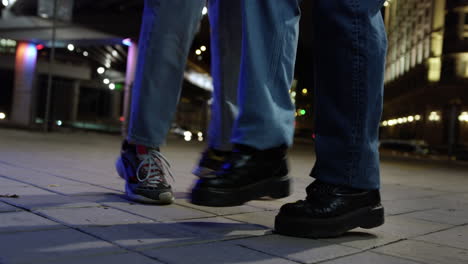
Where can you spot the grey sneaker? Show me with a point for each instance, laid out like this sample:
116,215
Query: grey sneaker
144,170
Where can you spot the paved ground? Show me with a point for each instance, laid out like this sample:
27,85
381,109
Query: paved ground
70,209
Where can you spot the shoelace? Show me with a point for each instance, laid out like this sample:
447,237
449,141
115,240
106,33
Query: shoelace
151,160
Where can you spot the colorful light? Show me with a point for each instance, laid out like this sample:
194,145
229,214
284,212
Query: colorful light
39,47
127,42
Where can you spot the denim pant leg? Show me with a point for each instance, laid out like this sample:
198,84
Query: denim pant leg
350,57
166,34
226,39
269,44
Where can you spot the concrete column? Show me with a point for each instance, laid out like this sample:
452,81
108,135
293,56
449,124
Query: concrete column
129,80
25,73
75,101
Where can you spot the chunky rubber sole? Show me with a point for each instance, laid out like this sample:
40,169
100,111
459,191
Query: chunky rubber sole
273,187
164,198
203,172
367,217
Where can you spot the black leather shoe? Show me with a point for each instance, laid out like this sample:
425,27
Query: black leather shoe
249,174
210,162
329,211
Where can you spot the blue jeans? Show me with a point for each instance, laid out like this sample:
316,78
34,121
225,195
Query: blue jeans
166,35
350,44
350,49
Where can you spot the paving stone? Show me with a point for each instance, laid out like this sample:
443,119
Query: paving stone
92,216
446,216
265,218
114,259
455,237
219,210
364,239
370,258
161,213
34,198
144,236
422,204
402,192
426,252
31,247
222,228
405,227
24,221
79,189
7,208
214,253
296,249
5,182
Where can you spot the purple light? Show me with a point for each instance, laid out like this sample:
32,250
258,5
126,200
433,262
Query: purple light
127,42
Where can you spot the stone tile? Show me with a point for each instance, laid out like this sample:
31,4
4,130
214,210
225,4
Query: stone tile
220,211
455,237
421,204
107,198
25,221
265,218
114,259
221,228
7,208
79,189
32,247
92,216
364,239
405,227
144,236
214,253
161,213
34,198
402,192
446,216
5,182
296,249
426,252
370,258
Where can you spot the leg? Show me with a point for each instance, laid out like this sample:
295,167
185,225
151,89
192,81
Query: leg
264,127
270,34
351,45
226,38
166,35
350,57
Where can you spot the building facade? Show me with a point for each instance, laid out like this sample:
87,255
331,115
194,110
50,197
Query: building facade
426,78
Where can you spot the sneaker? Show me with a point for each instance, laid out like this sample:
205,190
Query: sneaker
330,211
249,174
144,170
211,161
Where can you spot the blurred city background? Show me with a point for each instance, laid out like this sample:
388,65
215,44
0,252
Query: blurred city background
69,65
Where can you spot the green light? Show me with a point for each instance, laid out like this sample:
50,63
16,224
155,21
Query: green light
302,112
119,86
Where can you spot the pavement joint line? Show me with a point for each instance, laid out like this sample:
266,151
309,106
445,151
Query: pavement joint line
95,236
269,254
216,214
437,231
414,211
438,244
200,242
55,175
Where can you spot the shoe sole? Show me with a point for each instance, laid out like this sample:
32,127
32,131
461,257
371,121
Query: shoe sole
203,172
275,188
367,218
164,198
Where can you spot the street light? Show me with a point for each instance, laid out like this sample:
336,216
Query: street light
70,47
106,81
101,70
2,116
